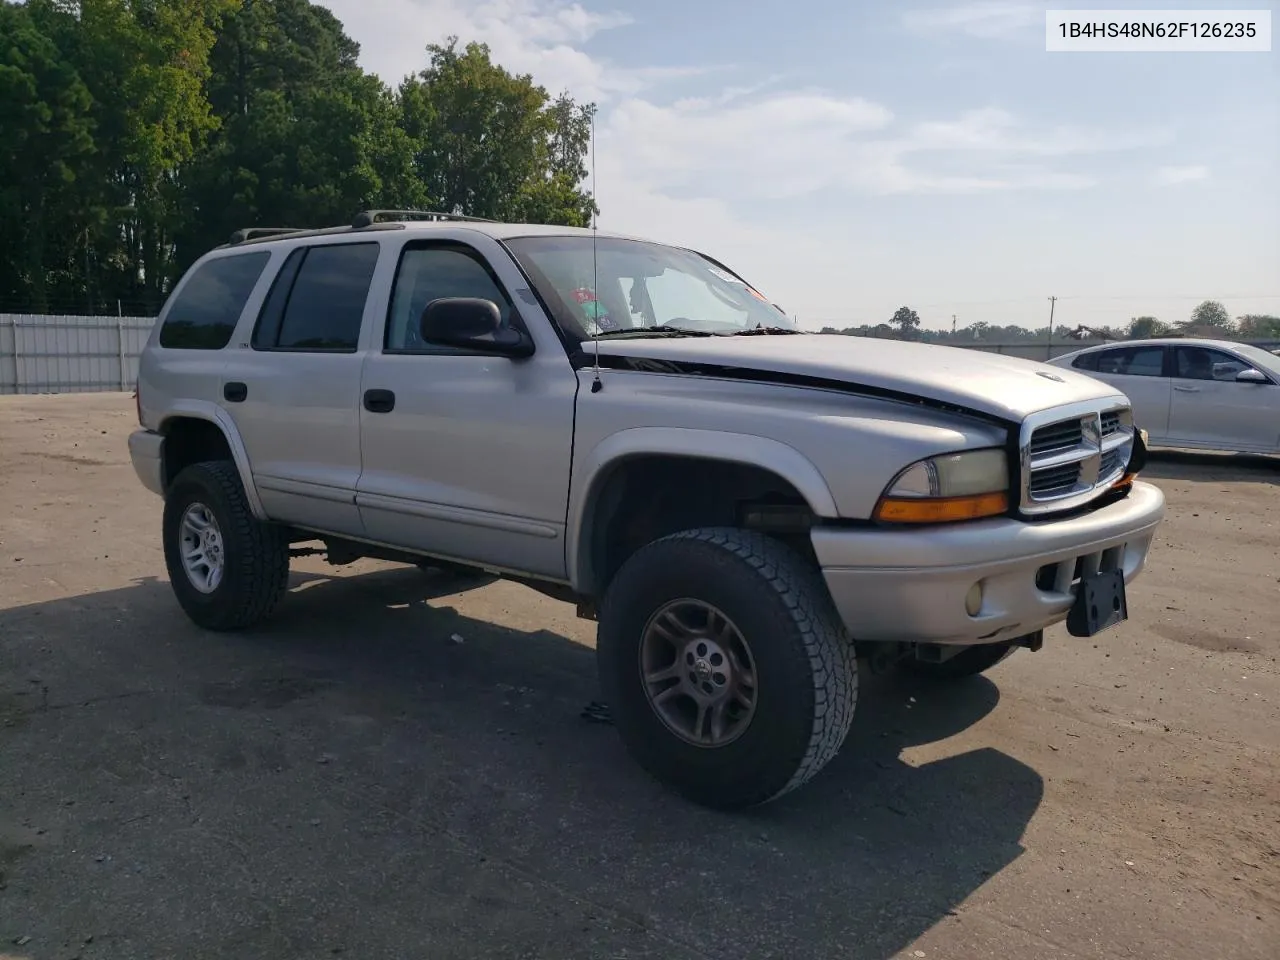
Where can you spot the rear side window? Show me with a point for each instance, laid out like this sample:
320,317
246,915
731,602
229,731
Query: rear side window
1132,362
317,300
205,312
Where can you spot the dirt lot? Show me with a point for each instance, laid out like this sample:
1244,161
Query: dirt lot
350,781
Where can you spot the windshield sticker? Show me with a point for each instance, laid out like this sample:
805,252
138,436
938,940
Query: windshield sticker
593,311
724,275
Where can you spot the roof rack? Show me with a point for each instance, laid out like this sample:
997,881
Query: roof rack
367,218
254,233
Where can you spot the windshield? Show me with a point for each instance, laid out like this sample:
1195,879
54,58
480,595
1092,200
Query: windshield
608,286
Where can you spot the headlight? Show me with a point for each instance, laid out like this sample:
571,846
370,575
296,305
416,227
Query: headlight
954,486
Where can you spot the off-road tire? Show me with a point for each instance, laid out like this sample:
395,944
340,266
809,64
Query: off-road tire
805,664
967,663
256,554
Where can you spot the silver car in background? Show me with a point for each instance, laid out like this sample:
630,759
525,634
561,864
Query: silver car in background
1194,393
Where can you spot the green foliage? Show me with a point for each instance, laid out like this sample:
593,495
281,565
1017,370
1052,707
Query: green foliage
907,321
1144,328
140,133
1258,326
1209,316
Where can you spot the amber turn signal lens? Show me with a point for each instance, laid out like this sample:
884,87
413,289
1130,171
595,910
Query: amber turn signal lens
944,510
1125,481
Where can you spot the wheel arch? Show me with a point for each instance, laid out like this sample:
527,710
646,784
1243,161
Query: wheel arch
595,480
188,428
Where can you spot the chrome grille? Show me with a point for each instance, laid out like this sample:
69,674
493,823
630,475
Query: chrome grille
1072,454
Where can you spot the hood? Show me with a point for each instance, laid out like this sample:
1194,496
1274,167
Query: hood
1006,387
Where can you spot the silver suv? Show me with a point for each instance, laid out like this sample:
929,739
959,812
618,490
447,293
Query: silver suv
749,511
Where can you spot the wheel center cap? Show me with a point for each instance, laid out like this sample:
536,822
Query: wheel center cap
702,667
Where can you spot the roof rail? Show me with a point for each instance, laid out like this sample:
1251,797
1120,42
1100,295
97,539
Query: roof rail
366,218
253,233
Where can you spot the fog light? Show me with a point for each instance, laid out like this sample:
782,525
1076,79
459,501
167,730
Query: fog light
973,600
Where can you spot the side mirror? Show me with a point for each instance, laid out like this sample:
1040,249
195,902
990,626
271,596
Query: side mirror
1250,375
471,323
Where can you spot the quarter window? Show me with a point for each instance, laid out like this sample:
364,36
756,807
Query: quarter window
433,273
204,314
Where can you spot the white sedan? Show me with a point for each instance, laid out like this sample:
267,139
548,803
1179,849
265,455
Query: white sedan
1202,394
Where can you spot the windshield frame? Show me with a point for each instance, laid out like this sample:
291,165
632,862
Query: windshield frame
566,319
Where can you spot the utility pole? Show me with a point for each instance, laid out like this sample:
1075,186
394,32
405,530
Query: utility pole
1049,348
953,325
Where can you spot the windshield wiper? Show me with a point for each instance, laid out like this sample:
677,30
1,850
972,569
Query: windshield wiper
762,332
659,331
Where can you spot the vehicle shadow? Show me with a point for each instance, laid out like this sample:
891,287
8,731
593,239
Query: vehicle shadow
353,778
1165,464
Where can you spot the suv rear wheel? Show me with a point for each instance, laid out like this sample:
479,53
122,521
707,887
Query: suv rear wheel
227,569
729,674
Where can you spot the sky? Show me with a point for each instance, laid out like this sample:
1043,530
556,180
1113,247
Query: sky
849,157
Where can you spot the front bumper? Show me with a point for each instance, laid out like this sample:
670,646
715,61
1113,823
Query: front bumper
910,585
146,449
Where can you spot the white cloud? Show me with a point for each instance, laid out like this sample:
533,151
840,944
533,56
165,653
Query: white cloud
1169,176
988,20
540,37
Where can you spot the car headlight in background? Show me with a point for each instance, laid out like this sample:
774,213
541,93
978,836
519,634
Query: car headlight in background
954,486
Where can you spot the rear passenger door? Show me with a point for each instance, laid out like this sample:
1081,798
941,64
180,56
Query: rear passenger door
294,388
1140,373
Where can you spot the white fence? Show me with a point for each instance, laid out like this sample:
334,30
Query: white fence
54,354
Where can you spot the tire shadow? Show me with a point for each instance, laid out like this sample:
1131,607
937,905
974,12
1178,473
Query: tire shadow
352,777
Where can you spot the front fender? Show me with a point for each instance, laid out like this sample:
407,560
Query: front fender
211,412
592,471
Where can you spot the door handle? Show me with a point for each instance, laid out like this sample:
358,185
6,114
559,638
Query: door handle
379,401
1187,389
235,392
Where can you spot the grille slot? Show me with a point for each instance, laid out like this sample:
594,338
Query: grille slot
1111,462
1055,480
1110,422
1056,438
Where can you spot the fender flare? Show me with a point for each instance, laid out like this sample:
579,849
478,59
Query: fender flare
212,413
594,470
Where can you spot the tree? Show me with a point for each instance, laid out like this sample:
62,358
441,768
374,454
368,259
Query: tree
48,139
907,321
492,144
1209,315
1258,326
1143,328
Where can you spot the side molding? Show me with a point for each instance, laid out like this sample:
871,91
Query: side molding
211,412
591,473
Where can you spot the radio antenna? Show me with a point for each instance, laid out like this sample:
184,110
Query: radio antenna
596,385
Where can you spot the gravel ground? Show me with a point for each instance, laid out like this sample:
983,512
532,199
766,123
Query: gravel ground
350,780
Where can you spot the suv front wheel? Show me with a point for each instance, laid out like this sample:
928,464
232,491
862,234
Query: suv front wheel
729,674
227,569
